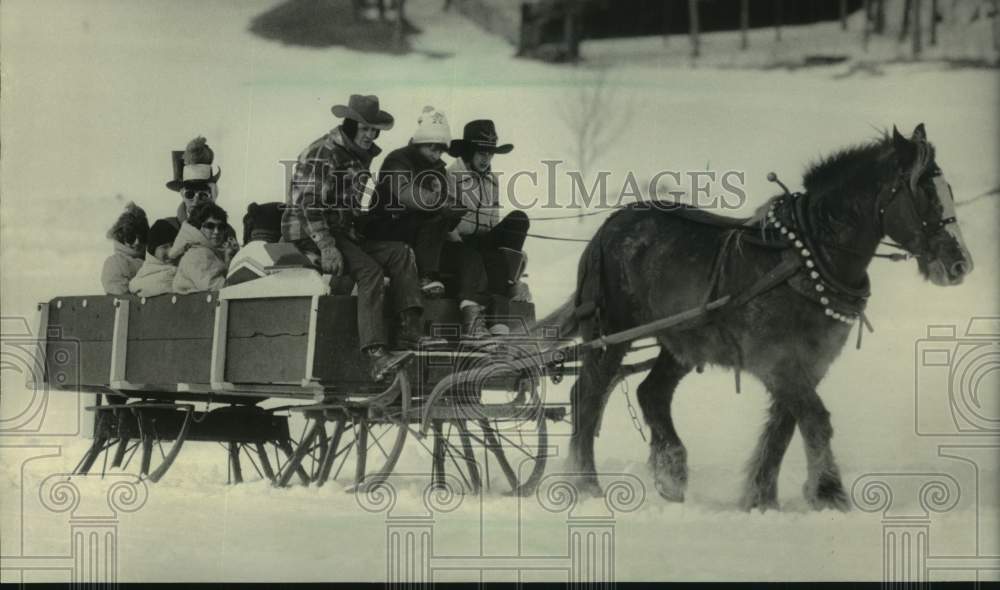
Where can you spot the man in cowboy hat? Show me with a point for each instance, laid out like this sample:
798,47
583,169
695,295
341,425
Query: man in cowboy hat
325,194
498,242
410,202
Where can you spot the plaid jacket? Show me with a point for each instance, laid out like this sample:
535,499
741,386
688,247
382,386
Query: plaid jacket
325,193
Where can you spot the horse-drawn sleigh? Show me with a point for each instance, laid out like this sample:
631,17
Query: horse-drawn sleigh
773,295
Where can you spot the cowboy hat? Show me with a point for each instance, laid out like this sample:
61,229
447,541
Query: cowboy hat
478,136
364,109
193,166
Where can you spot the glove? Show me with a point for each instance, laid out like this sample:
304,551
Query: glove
331,260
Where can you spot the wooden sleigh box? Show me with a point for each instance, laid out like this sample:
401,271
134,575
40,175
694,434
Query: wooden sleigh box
284,346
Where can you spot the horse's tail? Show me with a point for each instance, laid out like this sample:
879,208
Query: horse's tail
585,301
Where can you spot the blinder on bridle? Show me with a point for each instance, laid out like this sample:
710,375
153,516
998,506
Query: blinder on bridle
930,222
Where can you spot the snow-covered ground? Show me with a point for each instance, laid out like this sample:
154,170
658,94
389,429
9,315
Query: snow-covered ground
96,94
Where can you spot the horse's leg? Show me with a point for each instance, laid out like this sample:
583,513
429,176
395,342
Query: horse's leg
823,488
761,490
667,455
589,395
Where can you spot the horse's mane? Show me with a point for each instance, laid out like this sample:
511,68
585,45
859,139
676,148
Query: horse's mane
863,164
834,180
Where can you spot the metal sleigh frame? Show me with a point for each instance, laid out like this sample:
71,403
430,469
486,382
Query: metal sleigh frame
370,429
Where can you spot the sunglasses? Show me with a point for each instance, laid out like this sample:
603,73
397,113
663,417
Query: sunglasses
212,226
192,195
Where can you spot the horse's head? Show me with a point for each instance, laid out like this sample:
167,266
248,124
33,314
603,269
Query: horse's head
918,211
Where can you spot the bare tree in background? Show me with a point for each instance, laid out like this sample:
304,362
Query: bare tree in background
693,19
596,116
667,22
843,15
934,21
917,33
867,32
744,24
879,18
777,20
904,30
996,24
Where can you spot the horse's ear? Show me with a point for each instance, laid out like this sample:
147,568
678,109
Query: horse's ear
920,134
905,150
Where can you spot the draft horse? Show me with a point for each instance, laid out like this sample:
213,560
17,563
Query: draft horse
796,274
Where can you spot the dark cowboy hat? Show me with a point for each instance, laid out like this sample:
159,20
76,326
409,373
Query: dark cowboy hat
478,136
364,109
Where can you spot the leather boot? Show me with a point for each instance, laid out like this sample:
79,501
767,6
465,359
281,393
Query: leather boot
384,363
473,325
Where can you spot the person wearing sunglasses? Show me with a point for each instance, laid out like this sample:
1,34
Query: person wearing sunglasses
203,249
196,180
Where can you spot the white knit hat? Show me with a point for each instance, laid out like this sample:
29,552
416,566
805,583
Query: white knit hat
432,127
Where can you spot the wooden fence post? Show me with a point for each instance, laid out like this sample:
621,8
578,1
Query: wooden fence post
693,20
744,24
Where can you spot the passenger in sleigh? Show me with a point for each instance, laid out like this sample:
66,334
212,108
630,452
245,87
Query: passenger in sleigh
411,202
325,197
482,242
203,250
196,180
262,222
129,235
156,276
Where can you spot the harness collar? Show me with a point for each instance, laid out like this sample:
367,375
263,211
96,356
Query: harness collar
815,281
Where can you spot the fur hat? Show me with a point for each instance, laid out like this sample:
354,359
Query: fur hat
162,232
193,166
263,222
432,127
131,224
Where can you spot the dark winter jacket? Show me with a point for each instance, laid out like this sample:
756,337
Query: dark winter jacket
404,172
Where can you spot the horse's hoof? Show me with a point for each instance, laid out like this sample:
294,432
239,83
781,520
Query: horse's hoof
756,502
830,502
670,493
827,495
590,489
670,473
